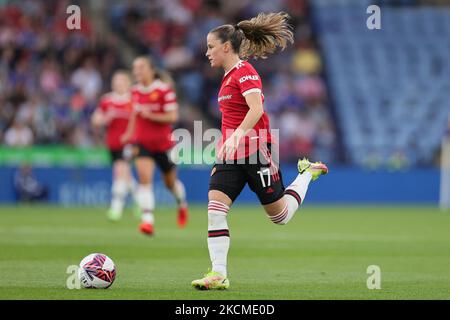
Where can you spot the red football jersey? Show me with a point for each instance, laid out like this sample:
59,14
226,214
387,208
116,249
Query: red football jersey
158,97
119,108
241,80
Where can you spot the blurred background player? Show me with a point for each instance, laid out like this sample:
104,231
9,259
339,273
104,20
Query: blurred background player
155,110
114,112
241,103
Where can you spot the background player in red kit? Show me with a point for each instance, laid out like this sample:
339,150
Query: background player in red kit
241,103
114,112
155,110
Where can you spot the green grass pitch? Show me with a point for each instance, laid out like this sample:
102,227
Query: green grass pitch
323,253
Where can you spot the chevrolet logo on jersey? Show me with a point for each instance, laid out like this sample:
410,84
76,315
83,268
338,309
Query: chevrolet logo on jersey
225,97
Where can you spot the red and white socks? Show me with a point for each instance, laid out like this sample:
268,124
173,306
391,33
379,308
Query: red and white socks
218,236
294,195
119,191
179,193
146,201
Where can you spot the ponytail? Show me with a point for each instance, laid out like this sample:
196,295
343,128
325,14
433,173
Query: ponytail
259,36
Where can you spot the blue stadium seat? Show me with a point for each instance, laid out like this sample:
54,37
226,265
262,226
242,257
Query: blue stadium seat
390,86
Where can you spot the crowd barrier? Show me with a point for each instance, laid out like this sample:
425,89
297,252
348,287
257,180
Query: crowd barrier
78,186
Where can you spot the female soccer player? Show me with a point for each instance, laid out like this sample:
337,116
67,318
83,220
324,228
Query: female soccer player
241,103
155,109
114,111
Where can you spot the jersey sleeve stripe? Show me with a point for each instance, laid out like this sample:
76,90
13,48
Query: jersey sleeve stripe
170,96
251,91
170,106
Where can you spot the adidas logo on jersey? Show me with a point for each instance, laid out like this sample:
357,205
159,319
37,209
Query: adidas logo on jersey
250,77
240,64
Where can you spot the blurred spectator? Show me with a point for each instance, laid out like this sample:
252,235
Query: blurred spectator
372,160
307,61
397,161
18,135
178,56
27,187
50,77
88,80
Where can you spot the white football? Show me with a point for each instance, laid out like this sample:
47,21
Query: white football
97,271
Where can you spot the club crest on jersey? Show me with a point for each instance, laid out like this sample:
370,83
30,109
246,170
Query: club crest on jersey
249,77
153,96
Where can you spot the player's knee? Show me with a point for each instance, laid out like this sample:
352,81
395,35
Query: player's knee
280,218
145,179
219,196
120,169
145,171
170,179
169,183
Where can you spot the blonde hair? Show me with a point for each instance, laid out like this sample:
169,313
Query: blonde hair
122,72
259,36
162,75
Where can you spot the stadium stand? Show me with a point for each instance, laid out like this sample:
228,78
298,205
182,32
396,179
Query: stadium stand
50,76
390,86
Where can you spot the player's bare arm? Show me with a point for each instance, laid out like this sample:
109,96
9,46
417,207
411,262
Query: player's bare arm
98,119
130,129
